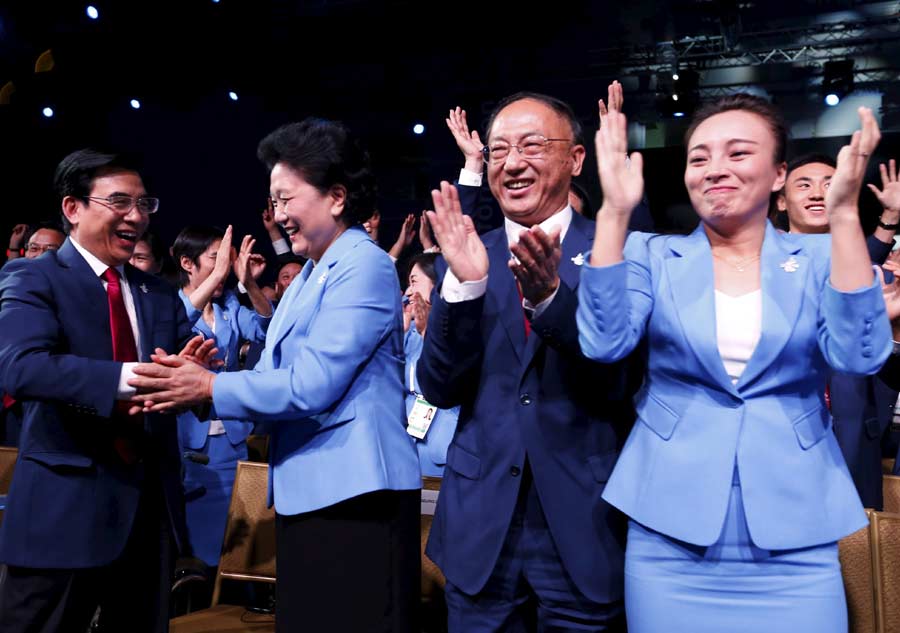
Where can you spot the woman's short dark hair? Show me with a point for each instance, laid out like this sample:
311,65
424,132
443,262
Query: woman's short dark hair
192,242
748,103
425,261
325,154
76,172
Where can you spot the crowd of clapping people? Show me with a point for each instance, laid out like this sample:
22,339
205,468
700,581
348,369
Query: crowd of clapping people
671,431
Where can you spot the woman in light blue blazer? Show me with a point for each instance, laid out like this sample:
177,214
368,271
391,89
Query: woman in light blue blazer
204,258
734,483
432,448
329,387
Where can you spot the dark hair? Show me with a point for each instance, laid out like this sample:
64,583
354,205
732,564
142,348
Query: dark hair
579,191
42,226
326,154
559,106
154,241
747,103
76,172
192,242
808,159
425,261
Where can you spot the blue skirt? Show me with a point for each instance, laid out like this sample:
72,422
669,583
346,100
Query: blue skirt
733,586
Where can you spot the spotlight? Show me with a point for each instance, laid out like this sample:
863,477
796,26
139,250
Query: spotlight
135,104
92,12
418,128
680,97
837,81
675,77
678,115
47,112
233,95
674,97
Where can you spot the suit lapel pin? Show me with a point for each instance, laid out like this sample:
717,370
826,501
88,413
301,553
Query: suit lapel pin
791,265
578,260
144,288
322,278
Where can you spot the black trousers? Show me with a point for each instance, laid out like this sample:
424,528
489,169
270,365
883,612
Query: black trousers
353,567
132,592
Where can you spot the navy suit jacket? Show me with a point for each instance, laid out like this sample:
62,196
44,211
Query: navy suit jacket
538,399
73,500
863,408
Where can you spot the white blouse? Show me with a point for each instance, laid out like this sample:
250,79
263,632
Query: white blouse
738,326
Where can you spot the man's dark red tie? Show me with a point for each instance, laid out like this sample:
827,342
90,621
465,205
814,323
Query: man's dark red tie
124,350
524,314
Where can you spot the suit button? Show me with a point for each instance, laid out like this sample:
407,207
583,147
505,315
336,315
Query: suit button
525,399
514,471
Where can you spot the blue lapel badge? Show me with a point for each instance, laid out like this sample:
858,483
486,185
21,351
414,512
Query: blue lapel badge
791,265
143,288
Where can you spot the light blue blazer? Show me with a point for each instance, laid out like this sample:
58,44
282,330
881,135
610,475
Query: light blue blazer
695,427
330,382
234,324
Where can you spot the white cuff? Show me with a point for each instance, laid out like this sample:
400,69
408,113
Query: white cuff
537,310
125,390
455,291
281,246
469,178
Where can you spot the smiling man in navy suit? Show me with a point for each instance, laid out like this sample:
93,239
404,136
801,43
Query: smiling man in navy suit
95,509
520,530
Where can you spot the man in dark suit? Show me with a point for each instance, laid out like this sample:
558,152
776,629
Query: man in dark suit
520,530
862,406
95,511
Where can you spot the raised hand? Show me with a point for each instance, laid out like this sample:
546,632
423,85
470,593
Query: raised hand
406,237
841,199
889,194
622,181
420,311
223,257
425,236
615,97
891,290
248,266
536,263
456,236
268,220
17,237
469,143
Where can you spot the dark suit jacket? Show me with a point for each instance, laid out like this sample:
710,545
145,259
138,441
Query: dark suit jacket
862,408
73,499
539,399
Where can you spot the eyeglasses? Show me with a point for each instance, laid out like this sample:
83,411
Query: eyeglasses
123,204
40,248
533,146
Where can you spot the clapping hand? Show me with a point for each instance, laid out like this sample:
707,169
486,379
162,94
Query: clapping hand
248,266
456,236
841,198
536,263
469,143
889,194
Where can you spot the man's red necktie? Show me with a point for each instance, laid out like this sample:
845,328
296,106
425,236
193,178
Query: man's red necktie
124,350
